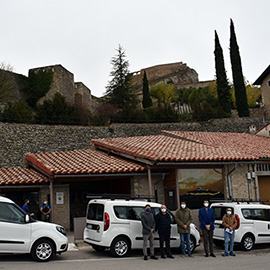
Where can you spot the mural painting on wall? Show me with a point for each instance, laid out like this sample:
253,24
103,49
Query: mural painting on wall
195,185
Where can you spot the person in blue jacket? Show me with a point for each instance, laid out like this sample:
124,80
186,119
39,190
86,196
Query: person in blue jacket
207,219
25,206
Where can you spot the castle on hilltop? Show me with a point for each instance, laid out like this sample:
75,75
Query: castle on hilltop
178,73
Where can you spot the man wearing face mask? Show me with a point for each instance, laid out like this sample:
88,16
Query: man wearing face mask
163,222
229,222
183,219
148,227
207,219
45,210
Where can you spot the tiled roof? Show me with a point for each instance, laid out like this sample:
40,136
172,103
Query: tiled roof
190,146
18,175
82,162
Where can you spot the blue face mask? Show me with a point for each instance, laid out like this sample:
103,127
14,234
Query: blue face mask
148,210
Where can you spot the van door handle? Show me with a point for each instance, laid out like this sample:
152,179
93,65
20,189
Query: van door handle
268,226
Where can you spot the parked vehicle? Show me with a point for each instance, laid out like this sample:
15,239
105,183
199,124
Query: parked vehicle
20,233
116,224
253,223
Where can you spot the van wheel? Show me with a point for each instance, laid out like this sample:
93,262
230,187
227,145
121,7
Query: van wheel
247,242
119,247
192,243
42,250
98,248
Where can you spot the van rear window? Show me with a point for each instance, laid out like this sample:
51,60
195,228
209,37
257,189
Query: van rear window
220,211
95,212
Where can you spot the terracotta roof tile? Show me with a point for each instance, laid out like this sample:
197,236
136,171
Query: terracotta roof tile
18,175
191,146
82,162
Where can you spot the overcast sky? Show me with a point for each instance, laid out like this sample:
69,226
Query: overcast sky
83,35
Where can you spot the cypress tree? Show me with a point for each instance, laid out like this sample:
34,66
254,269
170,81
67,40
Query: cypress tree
238,79
223,88
147,101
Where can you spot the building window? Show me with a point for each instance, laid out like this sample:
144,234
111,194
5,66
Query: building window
269,83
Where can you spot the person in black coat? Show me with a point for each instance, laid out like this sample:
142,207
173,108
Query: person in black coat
163,225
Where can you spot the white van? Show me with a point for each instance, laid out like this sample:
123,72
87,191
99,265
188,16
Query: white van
253,223
19,233
116,224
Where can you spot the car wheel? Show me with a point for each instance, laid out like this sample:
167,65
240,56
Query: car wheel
218,243
98,248
42,250
247,242
120,247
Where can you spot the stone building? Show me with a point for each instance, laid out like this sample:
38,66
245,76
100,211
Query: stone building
168,167
76,93
264,81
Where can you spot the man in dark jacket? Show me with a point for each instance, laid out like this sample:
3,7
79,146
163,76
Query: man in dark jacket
163,222
183,219
207,219
148,227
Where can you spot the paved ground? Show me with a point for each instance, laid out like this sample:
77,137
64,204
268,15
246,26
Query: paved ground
84,257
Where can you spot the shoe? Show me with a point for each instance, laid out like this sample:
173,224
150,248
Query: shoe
183,255
225,254
206,255
212,255
145,258
163,256
170,256
232,254
154,257
190,255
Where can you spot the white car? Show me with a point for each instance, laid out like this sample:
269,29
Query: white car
253,223
116,224
19,233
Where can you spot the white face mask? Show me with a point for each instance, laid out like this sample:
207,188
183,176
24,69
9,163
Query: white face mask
163,210
183,206
229,212
206,205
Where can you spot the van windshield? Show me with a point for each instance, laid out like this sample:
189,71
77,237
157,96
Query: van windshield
95,212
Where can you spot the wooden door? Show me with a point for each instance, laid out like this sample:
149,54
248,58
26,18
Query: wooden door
264,188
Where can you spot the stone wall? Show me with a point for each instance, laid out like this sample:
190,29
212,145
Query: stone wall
239,183
18,139
140,186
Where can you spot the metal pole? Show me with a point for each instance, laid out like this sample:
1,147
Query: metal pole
52,199
149,181
177,188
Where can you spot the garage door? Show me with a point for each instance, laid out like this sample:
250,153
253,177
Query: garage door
264,187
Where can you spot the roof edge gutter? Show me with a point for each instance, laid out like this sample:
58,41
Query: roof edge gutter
101,175
204,163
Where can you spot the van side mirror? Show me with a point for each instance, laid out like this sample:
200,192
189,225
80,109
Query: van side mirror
27,219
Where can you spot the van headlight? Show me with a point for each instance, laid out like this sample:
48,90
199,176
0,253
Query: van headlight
61,230
196,228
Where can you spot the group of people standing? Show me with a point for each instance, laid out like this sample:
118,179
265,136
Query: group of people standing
162,223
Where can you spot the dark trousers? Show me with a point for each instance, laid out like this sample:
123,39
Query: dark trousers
164,238
208,240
